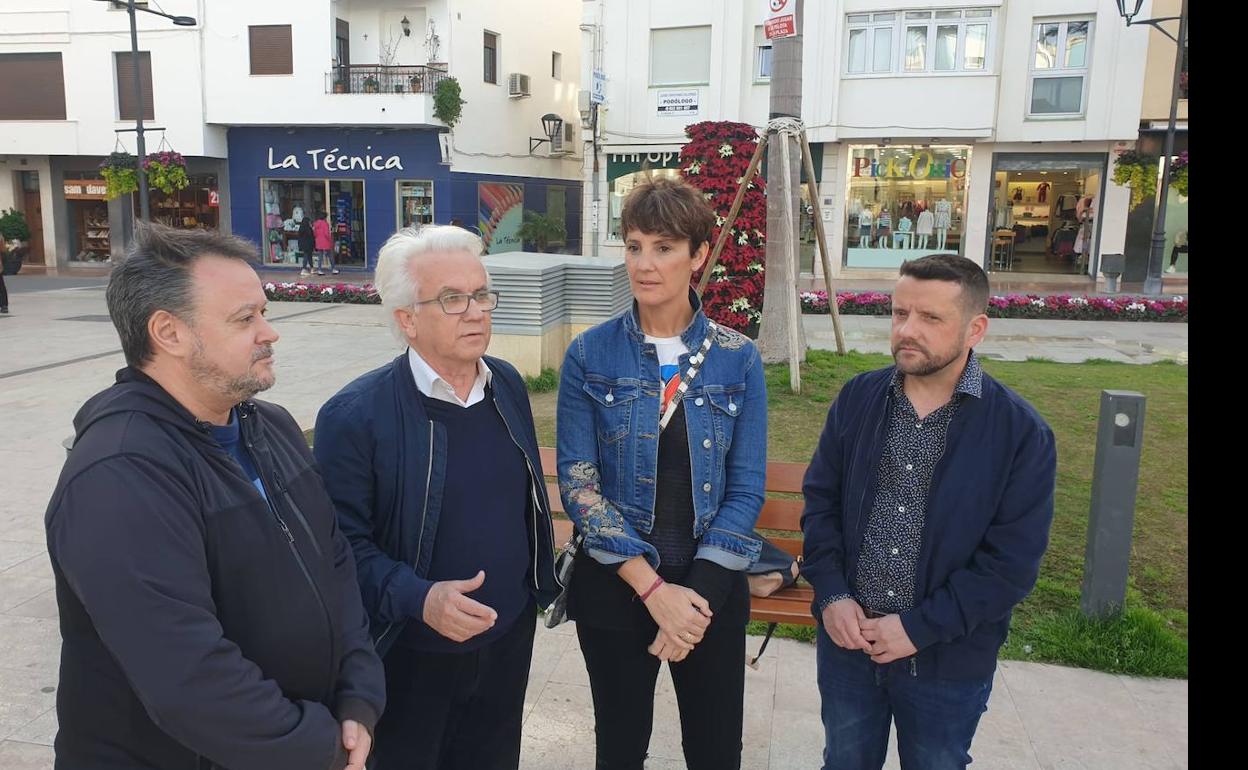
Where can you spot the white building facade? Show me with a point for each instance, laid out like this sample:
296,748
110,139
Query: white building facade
286,108
981,128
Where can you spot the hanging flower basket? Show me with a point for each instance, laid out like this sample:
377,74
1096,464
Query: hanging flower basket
1178,175
1139,172
166,171
121,175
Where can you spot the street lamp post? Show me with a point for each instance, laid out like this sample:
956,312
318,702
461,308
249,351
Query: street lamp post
145,209
1156,252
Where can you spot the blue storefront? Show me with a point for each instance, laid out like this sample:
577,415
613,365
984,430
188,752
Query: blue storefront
370,182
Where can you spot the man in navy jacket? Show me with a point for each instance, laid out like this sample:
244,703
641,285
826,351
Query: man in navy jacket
928,506
433,465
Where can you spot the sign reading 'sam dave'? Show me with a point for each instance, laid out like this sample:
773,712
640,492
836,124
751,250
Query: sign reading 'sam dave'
333,159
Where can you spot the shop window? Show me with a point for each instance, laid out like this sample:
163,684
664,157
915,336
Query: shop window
904,203
620,188
1059,67
194,206
287,201
415,204
1043,213
680,56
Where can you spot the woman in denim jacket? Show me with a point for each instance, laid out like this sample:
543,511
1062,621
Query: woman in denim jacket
667,515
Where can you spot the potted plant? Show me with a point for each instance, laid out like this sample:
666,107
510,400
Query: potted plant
371,84
13,232
447,102
121,174
542,230
339,86
416,83
166,171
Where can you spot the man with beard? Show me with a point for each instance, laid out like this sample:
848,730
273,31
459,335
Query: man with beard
209,609
927,510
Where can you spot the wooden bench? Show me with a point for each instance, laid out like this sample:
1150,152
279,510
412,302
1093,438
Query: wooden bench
780,521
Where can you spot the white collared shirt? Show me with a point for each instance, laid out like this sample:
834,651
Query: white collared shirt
431,384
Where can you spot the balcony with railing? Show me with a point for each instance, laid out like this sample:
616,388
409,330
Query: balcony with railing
384,79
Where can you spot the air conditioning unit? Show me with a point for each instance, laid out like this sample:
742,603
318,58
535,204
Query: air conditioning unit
517,85
559,144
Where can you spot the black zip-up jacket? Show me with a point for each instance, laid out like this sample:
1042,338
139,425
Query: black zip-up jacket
202,627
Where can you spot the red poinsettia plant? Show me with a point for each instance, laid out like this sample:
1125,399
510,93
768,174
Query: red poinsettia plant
714,160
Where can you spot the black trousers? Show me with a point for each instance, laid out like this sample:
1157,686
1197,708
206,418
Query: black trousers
710,690
4,292
456,711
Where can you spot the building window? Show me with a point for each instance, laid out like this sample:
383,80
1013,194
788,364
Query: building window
271,49
124,67
951,41
32,86
1059,67
490,65
762,55
904,203
556,65
680,56
288,201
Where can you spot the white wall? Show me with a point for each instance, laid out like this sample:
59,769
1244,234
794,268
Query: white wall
1116,68
493,135
87,33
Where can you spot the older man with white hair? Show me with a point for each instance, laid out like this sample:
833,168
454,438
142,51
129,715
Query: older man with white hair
432,463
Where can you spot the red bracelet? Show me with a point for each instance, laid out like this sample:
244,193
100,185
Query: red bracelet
658,581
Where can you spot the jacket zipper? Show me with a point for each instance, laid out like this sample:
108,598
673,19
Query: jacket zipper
303,567
537,508
420,539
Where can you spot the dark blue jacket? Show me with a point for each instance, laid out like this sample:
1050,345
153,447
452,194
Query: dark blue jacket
202,626
986,527
384,464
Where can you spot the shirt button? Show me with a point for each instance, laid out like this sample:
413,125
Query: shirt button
697,401
894,552
706,487
909,467
890,593
706,443
901,509
610,398
918,425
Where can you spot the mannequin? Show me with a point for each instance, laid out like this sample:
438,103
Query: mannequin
902,235
864,228
923,230
884,224
944,212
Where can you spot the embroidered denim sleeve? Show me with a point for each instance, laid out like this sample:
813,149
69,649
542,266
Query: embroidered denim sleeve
583,488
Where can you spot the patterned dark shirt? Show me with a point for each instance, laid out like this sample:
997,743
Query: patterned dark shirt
894,533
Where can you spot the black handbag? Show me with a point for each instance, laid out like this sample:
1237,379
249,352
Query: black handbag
775,570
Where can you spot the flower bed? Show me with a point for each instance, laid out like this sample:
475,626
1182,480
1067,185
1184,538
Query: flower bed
1051,307
322,292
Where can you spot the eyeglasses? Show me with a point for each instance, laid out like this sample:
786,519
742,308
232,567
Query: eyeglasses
457,304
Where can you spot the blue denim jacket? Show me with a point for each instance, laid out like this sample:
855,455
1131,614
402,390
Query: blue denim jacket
608,442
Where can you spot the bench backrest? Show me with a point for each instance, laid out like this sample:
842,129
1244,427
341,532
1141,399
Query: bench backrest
780,515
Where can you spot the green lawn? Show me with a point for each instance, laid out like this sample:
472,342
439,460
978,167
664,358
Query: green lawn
1151,636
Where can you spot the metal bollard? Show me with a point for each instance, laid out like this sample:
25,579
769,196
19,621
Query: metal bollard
1115,481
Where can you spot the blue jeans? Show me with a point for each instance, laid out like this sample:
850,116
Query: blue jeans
936,718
